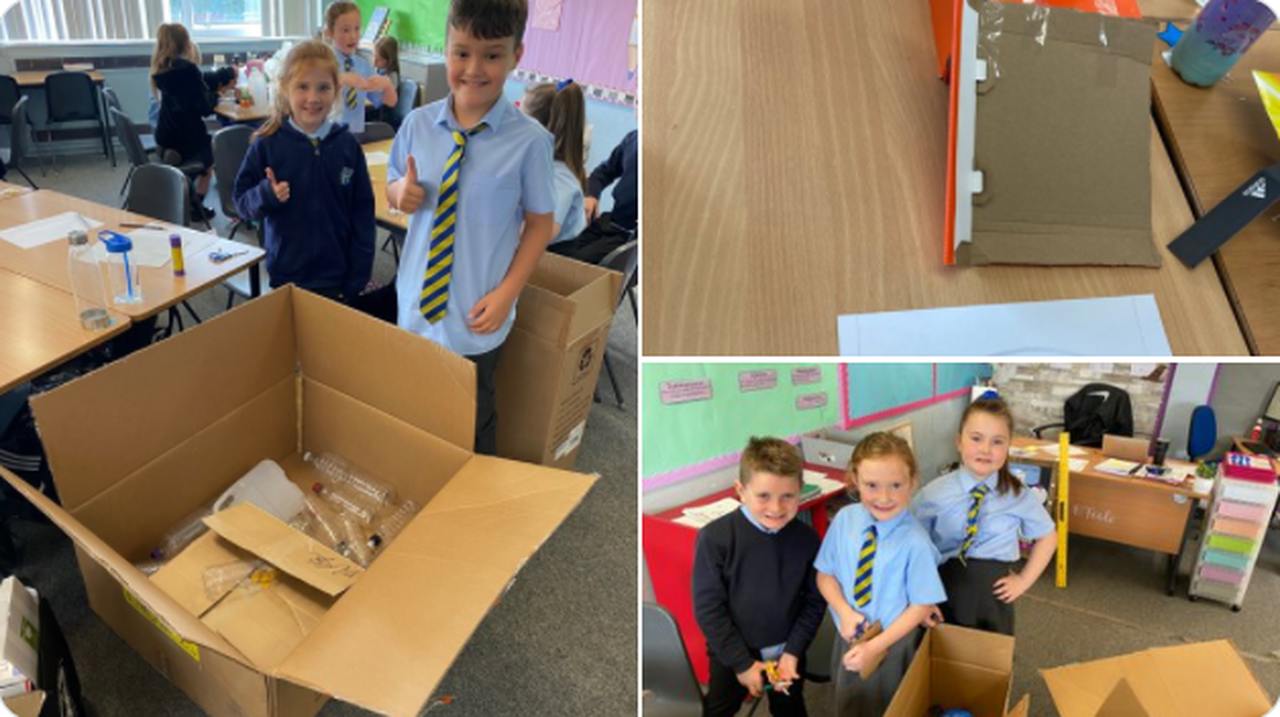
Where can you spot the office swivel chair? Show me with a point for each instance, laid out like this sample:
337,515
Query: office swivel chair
1092,412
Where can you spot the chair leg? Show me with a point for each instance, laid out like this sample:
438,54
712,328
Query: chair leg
608,367
234,226
231,298
127,177
24,176
631,294
194,316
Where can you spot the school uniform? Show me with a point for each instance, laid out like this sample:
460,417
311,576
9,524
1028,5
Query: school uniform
570,215
352,113
322,238
609,230
506,172
755,597
942,507
904,573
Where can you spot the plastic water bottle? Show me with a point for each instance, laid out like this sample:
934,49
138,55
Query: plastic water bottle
327,527
340,472
390,526
344,501
1215,40
87,286
183,534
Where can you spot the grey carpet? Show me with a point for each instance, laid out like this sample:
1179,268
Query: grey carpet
562,641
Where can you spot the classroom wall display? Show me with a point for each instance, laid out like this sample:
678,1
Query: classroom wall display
697,417
873,391
589,43
415,23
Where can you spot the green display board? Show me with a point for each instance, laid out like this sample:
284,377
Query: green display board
876,387
743,402
955,376
413,22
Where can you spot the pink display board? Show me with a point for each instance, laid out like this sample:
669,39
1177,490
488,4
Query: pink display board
590,44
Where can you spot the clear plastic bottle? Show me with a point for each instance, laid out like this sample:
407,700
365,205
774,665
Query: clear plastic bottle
326,527
357,541
340,472
391,525
344,501
87,285
182,534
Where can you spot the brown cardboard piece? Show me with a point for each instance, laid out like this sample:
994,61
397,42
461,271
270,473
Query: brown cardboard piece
1205,678
1062,138
959,667
256,531
547,374
173,425
27,705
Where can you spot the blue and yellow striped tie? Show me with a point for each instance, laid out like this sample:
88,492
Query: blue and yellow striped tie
435,283
979,494
350,92
866,561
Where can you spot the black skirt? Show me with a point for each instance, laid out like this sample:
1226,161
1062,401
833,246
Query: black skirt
971,599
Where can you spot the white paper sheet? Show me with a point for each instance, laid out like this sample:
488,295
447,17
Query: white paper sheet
1052,449
43,231
151,246
1118,325
825,484
376,158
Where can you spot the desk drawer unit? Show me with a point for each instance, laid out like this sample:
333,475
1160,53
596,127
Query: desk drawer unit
1233,533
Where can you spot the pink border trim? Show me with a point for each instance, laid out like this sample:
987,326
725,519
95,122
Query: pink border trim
905,408
844,393
680,475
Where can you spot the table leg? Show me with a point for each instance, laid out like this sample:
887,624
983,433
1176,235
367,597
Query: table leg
1176,559
255,280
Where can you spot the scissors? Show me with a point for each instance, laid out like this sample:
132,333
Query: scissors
217,256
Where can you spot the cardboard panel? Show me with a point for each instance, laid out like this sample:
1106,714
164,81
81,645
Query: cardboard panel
192,473
525,406
981,690
912,697
417,464
354,354
458,556
182,578
973,647
267,624
296,701
27,705
187,382
257,531
545,314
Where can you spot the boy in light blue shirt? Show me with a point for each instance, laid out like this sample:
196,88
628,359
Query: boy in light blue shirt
475,176
358,80
877,564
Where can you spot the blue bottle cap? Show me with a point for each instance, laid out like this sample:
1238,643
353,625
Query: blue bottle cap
116,243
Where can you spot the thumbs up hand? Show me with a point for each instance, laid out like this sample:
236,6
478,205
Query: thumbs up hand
406,194
281,189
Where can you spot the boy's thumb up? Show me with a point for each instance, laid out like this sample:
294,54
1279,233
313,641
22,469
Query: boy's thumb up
411,170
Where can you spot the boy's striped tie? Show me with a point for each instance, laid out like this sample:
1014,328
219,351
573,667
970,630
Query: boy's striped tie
979,494
435,283
349,94
866,561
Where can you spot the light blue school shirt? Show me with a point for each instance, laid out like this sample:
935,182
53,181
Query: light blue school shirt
569,212
905,571
321,132
772,652
942,507
505,173
353,117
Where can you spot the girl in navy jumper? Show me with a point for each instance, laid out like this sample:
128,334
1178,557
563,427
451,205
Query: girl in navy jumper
305,178
184,100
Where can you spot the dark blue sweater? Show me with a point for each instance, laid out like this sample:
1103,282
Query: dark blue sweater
623,166
322,237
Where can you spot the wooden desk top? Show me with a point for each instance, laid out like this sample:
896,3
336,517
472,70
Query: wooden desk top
1168,9
1219,137
45,332
35,78
234,112
779,195
378,176
9,191
48,262
1095,456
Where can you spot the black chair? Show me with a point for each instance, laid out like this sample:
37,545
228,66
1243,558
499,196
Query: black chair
377,132
230,145
112,102
19,132
407,100
160,192
669,687
9,95
71,97
624,260
1092,412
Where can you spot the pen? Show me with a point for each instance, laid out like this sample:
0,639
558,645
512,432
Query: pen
137,225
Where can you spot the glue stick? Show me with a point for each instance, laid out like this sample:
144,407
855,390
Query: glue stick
175,246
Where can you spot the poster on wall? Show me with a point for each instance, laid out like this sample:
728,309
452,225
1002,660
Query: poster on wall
596,42
546,14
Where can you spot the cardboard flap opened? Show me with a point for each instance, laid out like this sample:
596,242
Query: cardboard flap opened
173,425
959,667
1205,678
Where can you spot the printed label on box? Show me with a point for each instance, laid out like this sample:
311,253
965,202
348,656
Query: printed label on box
806,375
697,389
757,380
811,400
575,437
190,648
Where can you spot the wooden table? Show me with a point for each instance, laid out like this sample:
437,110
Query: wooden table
1219,137
1169,9
47,263
31,79
779,195
232,110
383,213
1139,512
41,329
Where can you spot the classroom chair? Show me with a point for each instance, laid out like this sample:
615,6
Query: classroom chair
70,97
230,145
407,96
624,260
1202,434
670,689
377,132
134,149
160,192
19,131
112,102
1093,411
9,95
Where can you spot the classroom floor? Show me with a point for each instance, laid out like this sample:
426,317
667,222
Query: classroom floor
561,641
1115,604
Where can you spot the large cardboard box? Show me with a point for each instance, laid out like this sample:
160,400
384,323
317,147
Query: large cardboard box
139,444
958,667
550,362
1205,678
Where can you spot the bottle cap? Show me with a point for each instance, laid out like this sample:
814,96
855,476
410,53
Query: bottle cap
116,243
77,237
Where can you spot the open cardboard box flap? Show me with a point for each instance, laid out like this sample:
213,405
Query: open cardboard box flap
959,667
281,374
562,286
27,705
253,529
1206,678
